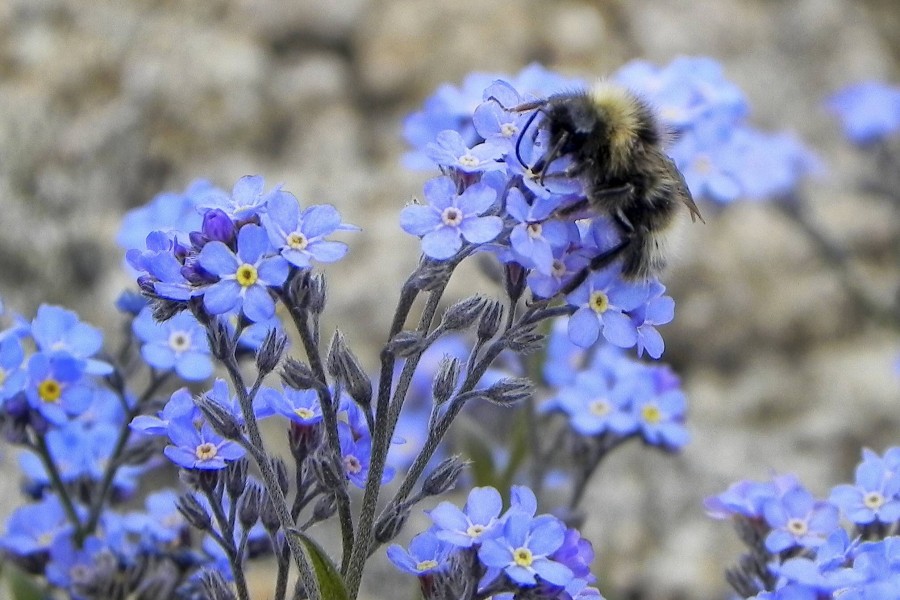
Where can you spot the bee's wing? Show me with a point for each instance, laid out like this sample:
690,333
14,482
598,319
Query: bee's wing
684,194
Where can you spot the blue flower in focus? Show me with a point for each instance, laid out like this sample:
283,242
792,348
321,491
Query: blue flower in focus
163,272
449,216
180,407
496,125
356,455
874,497
33,528
56,388
798,519
427,554
868,111
658,310
58,331
202,448
602,301
534,238
450,150
478,519
523,550
245,276
248,198
300,406
300,236
179,343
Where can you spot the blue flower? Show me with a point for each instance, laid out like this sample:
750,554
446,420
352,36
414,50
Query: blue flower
12,376
661,418
449,216
56,388
747,498
798,519
658,310
595,407
477,521
300,406
166,212
868,111
300,236
202,448
450,150
496,125
356,454
523,550
875,495
33,528
161,522
164,273
180,407
427,554
245,276
602,301
536,236
179,343
57,330
247,198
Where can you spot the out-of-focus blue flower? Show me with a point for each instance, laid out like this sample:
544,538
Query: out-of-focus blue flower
70,563
747,498
798,519
595,407
524,548
356,454
160,523
868,111
603,301
202,448
874,497
244,276
300,236
449,216
166,212
661,418
477,521
33,528
179,343
12,376
248,198
427,554
58,331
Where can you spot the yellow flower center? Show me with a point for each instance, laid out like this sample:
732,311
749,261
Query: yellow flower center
246,275
50,390
651,413
475,531
873,500
425,565
534,230
559,268
179,341
2,376
304,413
297,241
523,557
599,302
797,526
206,451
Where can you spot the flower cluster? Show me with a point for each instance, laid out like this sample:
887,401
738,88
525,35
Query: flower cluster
499,555
247,244
799,548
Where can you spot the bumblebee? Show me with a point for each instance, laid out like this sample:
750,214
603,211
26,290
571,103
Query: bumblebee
615,143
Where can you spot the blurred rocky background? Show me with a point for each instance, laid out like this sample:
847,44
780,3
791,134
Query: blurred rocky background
105,103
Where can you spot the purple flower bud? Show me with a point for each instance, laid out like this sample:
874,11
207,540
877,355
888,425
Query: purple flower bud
218,226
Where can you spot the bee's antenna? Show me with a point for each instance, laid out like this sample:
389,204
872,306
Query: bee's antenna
522,134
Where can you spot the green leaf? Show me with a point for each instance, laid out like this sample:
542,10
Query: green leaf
22,586
328,579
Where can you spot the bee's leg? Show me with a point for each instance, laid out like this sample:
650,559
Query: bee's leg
598,262
552,155
626,189
524,107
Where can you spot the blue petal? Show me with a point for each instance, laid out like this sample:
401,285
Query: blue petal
252,243
320,220
479,230
417,219
441,244
218,259
327,252
258,303
584,328
222,296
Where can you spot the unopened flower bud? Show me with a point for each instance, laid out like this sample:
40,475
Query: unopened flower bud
491,318
236,477
406,344
446,379
509,391
222,421
298,375
462,314
249,511
325,507
444,477
270,351
390,525
194,513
